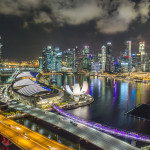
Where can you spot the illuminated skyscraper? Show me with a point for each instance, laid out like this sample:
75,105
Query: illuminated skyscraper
69,57
128,48
136,62
86,50
40,63
108,57
142,51
103,59
51,59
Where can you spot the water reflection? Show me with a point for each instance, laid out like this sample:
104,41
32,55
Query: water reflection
48,133
112,99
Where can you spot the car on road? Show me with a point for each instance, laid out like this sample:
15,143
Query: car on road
73,123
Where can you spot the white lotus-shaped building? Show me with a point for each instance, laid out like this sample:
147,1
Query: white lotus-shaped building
76,91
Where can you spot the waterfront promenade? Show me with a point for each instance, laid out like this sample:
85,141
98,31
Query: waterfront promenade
98,138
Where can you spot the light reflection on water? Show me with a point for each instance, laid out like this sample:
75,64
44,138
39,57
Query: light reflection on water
113,98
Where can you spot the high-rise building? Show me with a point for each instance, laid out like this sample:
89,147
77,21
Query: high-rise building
59,61
142,51
103,58
86,50
136,62
78,59
69,57
128,48
50,58
108,57
40,63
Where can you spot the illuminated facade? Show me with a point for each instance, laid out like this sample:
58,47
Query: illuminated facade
109,57
51,59
40,63
142,51
128,48
77,90
103,58
69,56
136,62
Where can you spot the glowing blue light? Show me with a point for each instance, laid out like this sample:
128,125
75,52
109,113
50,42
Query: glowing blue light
47,88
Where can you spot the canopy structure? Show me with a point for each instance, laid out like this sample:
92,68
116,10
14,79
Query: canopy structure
23,82
27,74
77,90
31,90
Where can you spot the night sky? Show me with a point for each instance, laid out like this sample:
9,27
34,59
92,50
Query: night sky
26,26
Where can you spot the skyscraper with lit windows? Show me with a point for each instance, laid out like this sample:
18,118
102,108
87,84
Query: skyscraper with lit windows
128,48
142,51
103,58
108,57
51,59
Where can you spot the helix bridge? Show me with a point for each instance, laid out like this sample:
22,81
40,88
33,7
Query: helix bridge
104,128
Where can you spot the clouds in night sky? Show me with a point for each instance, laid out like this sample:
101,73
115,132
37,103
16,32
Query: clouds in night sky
110,16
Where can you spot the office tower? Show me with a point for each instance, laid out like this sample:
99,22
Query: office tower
90,59
59,61
103,58
86,50
136,62
108,56
46,55
51,57
142,51
78,58
95,66
40,63
69,57
85,63
146,63
128,48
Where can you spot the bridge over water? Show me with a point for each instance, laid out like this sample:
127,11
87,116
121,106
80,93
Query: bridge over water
104,128
25,138
98,138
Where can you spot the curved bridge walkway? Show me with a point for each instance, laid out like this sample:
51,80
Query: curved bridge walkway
104,128
98,138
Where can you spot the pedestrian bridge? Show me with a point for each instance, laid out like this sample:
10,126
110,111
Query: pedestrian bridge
104,128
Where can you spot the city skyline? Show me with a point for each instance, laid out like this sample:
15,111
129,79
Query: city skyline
28,26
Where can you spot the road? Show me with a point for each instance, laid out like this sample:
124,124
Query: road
25,138
101,139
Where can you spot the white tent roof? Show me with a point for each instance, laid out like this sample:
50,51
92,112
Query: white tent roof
25,74
31,90
23,82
